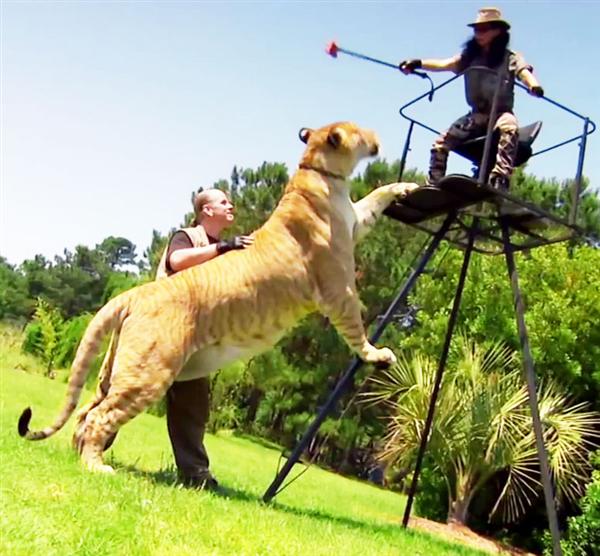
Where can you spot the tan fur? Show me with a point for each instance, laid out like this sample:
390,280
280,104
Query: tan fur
240,303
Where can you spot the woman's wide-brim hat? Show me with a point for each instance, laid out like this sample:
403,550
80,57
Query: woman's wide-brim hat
489,15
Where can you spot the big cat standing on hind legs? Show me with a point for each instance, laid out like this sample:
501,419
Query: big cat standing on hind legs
488,47
241,303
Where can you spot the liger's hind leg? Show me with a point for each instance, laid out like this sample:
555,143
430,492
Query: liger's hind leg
104,377
82,415
122,403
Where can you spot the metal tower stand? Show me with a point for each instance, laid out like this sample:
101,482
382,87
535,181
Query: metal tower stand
475,218
504,223
529,372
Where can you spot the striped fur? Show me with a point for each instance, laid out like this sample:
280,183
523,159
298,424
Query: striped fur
240,303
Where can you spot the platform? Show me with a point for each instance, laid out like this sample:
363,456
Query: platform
530,226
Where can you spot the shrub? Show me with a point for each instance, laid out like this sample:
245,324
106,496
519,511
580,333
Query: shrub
432,497
32,339
70,337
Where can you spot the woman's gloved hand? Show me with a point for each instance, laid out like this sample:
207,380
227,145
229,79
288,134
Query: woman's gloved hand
408,66
536,91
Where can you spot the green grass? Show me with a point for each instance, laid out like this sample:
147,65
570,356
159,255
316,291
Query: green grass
50,506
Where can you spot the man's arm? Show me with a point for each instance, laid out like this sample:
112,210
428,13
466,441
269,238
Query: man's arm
191,256
182,254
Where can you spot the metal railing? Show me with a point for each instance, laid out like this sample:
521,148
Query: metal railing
588,128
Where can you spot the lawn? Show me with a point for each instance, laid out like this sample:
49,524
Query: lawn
51,506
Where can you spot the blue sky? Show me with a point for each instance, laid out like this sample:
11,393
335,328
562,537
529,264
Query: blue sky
112,112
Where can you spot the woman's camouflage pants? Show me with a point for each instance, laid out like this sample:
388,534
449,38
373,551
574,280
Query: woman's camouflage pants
471,126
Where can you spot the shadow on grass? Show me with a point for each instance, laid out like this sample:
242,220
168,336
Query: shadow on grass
169,477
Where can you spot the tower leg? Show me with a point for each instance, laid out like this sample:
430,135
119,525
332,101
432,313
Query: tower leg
531,389
440,373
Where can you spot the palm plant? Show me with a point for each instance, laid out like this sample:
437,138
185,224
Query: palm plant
483,426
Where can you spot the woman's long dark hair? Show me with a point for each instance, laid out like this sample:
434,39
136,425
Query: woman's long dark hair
472,50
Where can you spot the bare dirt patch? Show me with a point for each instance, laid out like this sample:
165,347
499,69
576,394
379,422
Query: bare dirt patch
461,534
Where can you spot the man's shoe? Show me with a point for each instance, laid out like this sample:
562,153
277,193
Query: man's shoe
201,482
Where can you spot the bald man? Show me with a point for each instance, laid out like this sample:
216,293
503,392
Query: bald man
188,402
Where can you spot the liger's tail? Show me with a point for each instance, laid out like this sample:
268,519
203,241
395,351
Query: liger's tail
110,317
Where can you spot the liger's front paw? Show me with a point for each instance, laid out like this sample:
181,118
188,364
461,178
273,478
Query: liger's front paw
381,358
402,189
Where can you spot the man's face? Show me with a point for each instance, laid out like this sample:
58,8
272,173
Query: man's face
219,209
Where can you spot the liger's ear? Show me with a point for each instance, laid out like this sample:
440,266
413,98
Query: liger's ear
304,134
335,137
